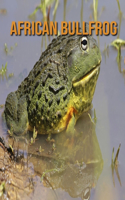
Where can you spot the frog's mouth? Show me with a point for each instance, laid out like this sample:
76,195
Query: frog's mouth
87,76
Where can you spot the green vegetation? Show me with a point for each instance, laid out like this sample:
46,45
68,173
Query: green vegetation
1,106
115,160
34,133
11,75
40,149
95,9
106,51
53,147
118,43
120,12
91,119
3,11
43,6
49,138
34,136
114,164
2,188
81,13
94,120
3,71
7,50
11,148
64,13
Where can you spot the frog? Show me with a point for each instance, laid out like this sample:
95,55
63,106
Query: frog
58,89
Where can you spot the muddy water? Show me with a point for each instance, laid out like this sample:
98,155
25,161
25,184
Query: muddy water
82,170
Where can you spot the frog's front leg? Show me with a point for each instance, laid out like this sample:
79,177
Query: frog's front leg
71,122
15,113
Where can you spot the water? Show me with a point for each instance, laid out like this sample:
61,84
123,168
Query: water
108,102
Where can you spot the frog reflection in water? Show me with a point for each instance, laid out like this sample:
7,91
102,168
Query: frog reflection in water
80,163
58,89
74,167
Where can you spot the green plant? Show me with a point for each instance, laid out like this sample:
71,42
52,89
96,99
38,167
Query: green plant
43,7
118,43
3,70
2,188
114,165
95,9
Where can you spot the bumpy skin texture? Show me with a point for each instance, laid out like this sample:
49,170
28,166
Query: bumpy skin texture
58,89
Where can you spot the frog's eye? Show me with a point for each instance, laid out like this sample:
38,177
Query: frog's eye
84,43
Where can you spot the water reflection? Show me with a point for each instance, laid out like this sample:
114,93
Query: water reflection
72,164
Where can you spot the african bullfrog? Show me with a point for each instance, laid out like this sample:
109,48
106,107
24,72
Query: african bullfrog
58,89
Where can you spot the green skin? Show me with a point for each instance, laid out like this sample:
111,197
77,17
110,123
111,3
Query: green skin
50,90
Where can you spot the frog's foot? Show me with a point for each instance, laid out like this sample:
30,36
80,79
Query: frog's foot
71,122
15,113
